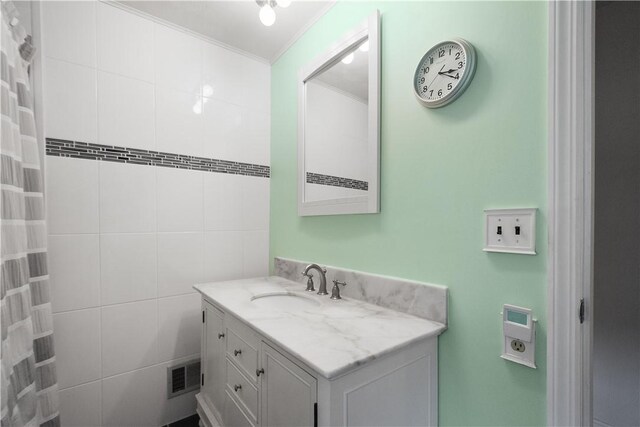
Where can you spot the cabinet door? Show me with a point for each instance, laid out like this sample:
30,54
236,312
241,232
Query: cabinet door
233,415
288,393
213,359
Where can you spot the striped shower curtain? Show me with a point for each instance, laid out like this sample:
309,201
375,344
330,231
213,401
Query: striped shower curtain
29,390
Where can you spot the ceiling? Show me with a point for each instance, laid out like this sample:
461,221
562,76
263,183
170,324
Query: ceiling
236,23
352,77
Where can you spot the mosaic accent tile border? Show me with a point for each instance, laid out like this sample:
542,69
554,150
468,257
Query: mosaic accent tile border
336,181
110,153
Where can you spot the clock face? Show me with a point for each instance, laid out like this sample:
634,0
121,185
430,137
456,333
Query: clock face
444,72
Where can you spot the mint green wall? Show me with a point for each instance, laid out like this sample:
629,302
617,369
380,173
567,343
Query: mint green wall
440,169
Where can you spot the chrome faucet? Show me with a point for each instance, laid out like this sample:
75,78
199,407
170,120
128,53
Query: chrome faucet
323,279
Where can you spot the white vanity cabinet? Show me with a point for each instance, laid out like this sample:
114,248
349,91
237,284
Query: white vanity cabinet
248,380
288,392
212,358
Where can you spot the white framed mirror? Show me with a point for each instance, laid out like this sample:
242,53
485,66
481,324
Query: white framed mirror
339,126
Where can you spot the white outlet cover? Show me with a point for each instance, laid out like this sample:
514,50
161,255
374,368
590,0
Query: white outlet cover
527,357
508,241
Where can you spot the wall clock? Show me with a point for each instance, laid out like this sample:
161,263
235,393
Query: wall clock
444,72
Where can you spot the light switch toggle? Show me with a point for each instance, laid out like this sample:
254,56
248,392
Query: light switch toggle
510,231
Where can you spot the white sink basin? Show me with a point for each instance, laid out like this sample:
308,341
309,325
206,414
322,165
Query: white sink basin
287,301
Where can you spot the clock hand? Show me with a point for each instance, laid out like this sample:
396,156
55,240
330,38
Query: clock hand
452,77
445,72
434,79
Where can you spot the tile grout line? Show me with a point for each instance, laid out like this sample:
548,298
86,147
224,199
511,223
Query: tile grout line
101,379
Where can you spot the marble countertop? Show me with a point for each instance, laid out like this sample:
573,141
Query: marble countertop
332,337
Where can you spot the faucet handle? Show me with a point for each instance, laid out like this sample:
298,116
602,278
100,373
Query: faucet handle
335,292
310,287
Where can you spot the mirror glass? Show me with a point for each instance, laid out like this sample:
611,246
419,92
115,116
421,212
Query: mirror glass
338,142
337,103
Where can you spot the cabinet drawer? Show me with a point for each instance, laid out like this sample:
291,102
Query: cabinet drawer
242,389
233,415
242,348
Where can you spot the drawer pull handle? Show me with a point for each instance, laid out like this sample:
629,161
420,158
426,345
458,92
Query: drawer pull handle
237,352
259,371
237,387
220,336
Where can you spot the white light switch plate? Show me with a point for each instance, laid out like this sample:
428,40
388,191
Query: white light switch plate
510,231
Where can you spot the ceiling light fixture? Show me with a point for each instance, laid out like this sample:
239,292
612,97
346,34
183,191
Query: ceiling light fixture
267,14
348,59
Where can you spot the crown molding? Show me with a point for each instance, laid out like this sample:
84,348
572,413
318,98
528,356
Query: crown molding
173,26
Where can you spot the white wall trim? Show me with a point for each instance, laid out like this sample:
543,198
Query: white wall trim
302,30
570,224
370,203
177,27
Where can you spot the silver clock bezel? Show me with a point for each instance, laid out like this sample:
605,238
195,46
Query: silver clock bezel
470,70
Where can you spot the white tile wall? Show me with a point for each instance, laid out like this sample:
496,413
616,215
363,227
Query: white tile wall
132,331
255,204
255,245
128,242
179,122
127,198
125,43
72,196
179,322
74,268
223,255
180,262
180,200
80,406
223,202
128,267
234,132
70,31
77,346
134,398
70,101
178,60
126,115
236,79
